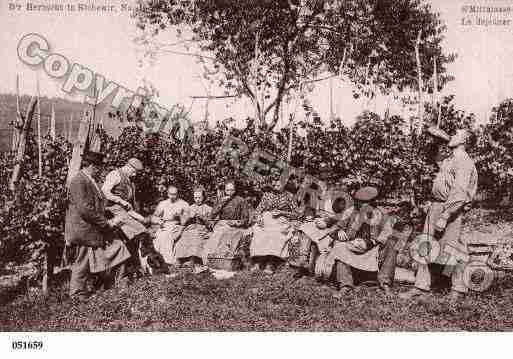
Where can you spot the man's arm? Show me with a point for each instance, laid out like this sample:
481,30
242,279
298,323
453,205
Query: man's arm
112,180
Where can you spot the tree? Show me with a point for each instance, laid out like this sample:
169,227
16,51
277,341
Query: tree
266,49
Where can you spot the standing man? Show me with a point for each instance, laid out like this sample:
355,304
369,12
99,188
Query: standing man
119,190
88,229
454,189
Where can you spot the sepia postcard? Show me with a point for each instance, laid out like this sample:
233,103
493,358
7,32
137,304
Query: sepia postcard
251,166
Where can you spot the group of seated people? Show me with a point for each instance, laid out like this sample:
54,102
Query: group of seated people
333,246
199,236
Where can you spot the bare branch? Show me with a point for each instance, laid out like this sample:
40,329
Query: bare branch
188,54
214,97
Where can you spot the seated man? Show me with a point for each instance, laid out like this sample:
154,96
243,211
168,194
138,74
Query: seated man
89,230
231,215
365,237
119,191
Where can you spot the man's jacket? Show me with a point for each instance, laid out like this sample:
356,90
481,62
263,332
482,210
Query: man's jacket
86,224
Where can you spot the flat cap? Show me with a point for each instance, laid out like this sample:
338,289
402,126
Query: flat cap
136,164
365,194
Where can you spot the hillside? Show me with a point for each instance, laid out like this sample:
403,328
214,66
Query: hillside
64,110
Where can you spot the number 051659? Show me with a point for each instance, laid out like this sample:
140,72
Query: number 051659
30,345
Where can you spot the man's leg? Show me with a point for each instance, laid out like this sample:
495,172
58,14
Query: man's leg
423,275
386,272
312,258
133,245
344,276
422,283
79,272
116,276
458,284
460,255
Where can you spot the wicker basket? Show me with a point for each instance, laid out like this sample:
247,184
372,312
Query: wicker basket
229,264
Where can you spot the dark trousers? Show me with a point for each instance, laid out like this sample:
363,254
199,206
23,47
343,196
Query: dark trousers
344,273
80,273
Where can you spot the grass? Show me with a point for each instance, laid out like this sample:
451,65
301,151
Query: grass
258,302
255,302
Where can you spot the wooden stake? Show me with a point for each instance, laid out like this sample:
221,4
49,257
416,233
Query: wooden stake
39,153
291,132
435,92
22,144
367,85
19,118
70,129
52,124
420,83
332,113
79,146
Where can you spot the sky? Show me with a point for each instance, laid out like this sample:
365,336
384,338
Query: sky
103,41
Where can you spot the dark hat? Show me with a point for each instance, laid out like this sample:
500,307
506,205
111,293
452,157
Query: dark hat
438,133
95,158
365,194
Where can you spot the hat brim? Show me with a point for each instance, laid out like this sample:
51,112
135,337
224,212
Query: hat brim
365,194
438,133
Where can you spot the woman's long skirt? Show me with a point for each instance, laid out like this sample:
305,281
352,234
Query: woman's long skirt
272,238
165,239
192,242
224,242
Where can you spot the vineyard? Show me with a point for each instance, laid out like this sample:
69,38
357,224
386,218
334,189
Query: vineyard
375,150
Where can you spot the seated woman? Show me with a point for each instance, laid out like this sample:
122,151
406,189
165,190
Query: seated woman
190,246
169,214
273,230
231,214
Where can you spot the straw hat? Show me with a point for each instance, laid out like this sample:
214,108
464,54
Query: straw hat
438,133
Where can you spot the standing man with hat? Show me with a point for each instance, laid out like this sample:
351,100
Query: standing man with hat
454,188
87,228
119,190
